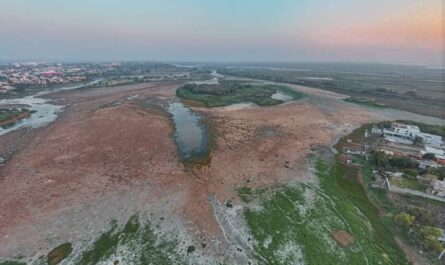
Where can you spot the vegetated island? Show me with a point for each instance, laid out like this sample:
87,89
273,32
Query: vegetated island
9,117
228,92
365,101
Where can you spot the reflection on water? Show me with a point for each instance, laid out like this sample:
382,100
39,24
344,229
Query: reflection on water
190,132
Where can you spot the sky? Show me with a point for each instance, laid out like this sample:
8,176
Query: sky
384,31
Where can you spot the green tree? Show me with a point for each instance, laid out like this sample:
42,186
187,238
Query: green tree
440,172
418,140
402,162
429,156
381,160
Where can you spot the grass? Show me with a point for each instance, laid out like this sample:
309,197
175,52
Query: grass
388,89
365,102
427,212
8,116
9,262
228,93
294,223
407,183
134,243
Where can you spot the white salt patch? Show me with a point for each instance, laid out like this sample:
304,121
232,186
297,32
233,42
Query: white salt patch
290,253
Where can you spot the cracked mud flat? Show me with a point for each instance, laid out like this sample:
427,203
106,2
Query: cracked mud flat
108,157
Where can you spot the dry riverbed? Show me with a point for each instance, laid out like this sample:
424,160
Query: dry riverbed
111,155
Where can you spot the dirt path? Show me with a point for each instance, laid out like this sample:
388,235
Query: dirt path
416,193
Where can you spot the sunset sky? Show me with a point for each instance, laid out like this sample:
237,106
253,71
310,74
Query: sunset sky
387,31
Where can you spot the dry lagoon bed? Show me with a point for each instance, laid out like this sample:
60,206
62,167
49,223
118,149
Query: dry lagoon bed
108,157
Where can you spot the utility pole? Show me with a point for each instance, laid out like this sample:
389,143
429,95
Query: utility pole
366,146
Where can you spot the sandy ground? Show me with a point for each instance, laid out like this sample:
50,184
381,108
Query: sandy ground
102,161
342,237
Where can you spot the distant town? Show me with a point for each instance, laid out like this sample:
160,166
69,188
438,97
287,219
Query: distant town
19,77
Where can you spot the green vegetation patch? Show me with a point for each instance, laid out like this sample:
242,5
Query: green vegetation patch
365,101
10,262
134,243
408,184
191,249
228,92
10,116
295,223
246,194
59,253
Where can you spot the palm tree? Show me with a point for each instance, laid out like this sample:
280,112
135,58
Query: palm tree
382,163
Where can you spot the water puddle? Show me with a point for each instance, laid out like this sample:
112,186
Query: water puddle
44,112
191,133
281,96
240,106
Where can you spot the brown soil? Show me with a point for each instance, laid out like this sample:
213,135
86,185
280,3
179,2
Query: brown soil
342,237
411,254
122,157
58,254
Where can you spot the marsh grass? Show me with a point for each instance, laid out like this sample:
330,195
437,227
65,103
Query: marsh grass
229,93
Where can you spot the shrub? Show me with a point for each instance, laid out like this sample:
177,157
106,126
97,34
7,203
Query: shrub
402,162
191,249
405,219
440,172
423,216
432,243
411,172
429,156
430,237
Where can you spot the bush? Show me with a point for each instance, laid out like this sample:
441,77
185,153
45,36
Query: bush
440,172
191,249
430,231
432,243
429,156
423,216
404,219
402,162
418,140
411,172
430,237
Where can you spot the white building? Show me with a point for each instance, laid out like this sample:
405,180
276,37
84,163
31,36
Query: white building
405,134
432,140
376,130
402,130
438,153
424,164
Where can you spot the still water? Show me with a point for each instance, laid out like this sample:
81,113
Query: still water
191,134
